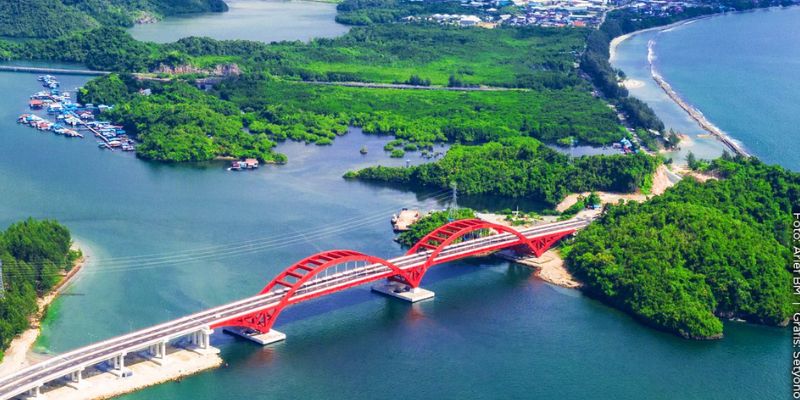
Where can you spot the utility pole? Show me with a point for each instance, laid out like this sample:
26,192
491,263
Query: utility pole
2,285
571,147
454,206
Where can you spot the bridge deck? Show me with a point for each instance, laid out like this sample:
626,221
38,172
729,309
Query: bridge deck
64,364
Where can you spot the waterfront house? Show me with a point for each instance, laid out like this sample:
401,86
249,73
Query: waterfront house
251,163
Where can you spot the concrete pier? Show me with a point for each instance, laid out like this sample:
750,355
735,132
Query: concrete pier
263,339
403,291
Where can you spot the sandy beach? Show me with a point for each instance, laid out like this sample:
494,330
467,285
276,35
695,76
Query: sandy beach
612,48
661,182
18,354
632,84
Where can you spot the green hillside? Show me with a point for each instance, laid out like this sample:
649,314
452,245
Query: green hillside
54,18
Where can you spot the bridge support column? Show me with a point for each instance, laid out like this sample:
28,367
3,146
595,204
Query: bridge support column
200,341
162,350
118,366
75,380
119,362
158,353
403,291
35,393
205,336
263,339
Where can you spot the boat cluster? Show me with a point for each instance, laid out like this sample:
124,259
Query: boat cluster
35,121
71,117
49,81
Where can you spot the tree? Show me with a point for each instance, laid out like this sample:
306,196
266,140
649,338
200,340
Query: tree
691,161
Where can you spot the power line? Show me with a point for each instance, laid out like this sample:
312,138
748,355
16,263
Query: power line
219,251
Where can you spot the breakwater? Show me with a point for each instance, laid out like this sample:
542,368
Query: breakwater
693,112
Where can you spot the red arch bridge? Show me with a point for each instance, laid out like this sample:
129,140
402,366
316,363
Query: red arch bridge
310,278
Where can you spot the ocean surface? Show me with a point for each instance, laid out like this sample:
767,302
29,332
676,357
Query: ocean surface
259,20
167,240
741,70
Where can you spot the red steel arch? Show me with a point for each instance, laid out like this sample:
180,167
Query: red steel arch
445,235
290,281
293,278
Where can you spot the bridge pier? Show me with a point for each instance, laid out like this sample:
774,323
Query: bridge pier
118,366
157,353
75,380
263,339
35,393
200,341
403,291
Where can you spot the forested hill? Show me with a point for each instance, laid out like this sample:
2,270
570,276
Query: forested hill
54,18
698,253
35,254
520,167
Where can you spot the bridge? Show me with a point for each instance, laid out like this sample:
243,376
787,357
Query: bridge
45,70
313,277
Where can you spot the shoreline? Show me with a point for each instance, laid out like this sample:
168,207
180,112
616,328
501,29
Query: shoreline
615,42
551,267
19,351
693,112
690,109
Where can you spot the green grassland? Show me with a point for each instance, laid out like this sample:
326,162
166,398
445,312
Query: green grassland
511,57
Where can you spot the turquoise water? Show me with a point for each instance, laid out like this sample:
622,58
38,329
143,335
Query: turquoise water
493,330
740,70
260,20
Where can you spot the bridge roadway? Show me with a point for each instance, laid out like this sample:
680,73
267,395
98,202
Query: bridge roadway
44,70
63,365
